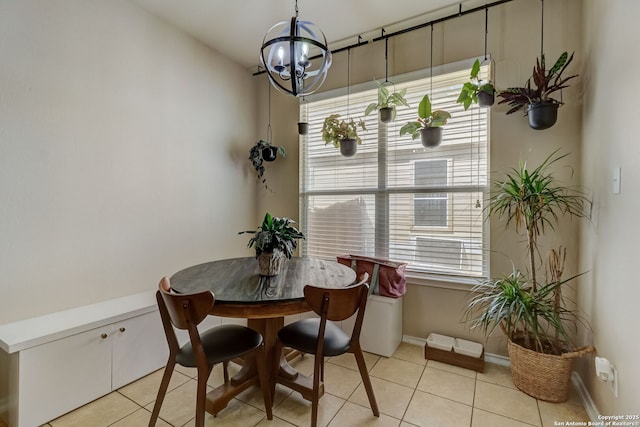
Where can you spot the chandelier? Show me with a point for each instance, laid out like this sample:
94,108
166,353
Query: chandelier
285,55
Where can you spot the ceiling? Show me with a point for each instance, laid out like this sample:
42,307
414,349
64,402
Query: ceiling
237,28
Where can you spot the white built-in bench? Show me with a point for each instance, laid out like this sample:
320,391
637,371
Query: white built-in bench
52,364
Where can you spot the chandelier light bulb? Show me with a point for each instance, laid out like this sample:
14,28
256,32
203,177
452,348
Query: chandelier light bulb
285,56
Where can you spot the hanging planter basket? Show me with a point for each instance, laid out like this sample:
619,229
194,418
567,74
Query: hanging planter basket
542,115
485,99
269,154
303,128
386,114
431,136
348,147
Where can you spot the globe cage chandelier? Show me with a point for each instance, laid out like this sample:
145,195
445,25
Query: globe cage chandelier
294,39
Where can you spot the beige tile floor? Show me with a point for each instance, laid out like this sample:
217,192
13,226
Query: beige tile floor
410,392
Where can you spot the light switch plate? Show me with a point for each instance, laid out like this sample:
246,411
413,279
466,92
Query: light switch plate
616,180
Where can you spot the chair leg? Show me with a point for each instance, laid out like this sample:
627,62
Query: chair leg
225,370
318,373
201,395
265,385
362,367
162,391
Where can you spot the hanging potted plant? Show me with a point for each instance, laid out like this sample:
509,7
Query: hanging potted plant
429,124
539,106
476,92
342,134
530,311
262,152
303,124
275,240
387,103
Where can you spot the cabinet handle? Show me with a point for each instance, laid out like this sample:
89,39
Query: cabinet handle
104,336
122,329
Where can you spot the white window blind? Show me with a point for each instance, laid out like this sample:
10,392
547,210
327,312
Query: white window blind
396,199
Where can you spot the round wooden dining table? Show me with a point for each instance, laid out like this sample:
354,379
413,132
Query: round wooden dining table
241,292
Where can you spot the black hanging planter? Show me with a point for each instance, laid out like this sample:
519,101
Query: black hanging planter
269,154
485,99
348,147
303,128
386,114
542,115
431,136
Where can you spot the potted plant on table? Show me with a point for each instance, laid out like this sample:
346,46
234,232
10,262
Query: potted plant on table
342,134
429,124
275,240
532,312
387,103
476,92
262,152
539,106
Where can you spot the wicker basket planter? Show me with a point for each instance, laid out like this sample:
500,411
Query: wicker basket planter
543,376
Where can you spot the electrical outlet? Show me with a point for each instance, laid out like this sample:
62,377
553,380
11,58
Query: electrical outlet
614,384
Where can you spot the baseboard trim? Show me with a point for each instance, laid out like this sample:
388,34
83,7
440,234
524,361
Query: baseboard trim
585,397
496,359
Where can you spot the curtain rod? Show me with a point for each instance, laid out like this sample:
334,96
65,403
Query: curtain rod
407,30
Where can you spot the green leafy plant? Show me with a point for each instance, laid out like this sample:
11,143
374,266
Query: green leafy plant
387,99
546,83
471,89
334,130
426,118
530,200
257,158
275,234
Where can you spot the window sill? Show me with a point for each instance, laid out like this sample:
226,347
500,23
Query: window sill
457,283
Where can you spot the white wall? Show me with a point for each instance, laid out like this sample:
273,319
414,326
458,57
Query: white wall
120,156
610,293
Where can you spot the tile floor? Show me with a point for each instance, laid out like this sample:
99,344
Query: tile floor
410,392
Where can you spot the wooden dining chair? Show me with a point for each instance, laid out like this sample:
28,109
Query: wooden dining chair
322,338
204,350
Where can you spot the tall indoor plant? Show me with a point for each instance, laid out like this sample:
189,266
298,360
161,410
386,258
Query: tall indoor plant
274,240
532,311
429,124
539,106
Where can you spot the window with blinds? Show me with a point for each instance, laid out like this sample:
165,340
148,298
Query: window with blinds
396,199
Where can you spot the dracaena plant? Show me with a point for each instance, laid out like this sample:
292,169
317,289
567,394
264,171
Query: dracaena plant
426,118
530,201
540,85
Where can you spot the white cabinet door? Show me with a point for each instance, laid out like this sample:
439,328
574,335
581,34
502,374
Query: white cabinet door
62,375
139,348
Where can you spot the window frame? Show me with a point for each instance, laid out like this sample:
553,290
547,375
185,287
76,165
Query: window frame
419,274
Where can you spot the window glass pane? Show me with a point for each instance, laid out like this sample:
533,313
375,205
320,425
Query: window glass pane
340,225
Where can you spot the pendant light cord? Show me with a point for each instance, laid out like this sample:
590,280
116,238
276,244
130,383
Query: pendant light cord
486,29
542,30
386,59
269,125
431,65
348,78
